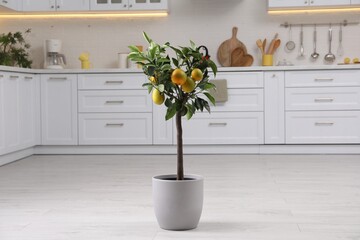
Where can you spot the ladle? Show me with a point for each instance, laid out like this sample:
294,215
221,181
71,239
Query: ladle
330,57
290,45
315,55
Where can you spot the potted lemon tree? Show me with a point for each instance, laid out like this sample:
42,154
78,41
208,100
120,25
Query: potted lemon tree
179,79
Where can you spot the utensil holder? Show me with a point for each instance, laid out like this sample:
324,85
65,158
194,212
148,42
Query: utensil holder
268,60
86,65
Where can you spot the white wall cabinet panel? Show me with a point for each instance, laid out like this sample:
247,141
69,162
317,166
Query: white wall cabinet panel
115,128
11,4
113,5
148,4
355,2
59,109
242,79
224,128
56,5
322,127
274,107
306,3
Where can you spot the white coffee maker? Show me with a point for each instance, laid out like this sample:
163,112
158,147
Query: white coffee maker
53,58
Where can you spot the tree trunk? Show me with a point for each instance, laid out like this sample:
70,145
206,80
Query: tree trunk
180,161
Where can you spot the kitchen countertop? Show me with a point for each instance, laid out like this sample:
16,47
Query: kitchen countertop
220,69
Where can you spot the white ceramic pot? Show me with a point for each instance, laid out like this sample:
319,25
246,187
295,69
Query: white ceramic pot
178,204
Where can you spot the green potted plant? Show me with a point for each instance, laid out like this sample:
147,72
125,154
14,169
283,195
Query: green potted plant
13,50
181,83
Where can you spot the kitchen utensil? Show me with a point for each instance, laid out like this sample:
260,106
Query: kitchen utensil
315,55
330,57
264,45
301,49
240,59
271,46
226,48
290,45
259,43
276,46
340,50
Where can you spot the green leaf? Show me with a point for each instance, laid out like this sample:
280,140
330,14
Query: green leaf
147,37
161,88
170,113
150,88
176,62
134,49
209,85
211,98
213,66
193,46
206,106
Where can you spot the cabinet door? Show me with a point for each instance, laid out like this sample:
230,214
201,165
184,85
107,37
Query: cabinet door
2,113
109,5
11,4
39,5
355,2
287,3
72,5
59,109
148,5
329,2
27,111
11,112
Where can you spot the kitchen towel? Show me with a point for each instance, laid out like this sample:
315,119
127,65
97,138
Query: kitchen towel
220,93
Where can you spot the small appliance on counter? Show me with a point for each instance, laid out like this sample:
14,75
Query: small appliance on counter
53,58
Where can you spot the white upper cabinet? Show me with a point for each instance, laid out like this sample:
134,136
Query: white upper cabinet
11,4
56,5
116,5
355,2
306,3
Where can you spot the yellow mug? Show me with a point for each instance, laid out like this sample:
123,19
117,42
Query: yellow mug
85,65
268,60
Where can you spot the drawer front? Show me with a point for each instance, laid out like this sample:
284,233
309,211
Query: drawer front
241,100
111,81
242,79
115,129
327,98
115,101
224,128
323,127
322,78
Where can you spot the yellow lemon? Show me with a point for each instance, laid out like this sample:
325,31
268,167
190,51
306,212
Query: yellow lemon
188,86
178,76
355,60
157,97
197,74
152,79
347,60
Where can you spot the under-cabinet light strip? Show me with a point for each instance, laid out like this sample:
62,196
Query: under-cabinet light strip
330,10
84,15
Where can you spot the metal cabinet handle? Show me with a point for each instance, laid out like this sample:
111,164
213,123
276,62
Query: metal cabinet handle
130,6
52,6
28,78
125,5
14,77
324,123
324,79
323,99
114,102
114,82
4,1
217,124
114,125
57,78
1,76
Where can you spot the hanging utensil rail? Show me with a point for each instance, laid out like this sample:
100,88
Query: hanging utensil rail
343,23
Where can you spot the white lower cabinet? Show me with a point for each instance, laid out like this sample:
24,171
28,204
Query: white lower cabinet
115,128
59,109
224,128
19,111
323,127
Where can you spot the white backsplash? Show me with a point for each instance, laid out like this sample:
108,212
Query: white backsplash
207,22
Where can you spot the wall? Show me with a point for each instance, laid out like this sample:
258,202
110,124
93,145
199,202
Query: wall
206,22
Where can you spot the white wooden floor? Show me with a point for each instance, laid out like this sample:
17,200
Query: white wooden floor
246,197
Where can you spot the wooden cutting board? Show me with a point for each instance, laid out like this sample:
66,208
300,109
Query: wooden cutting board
240,59
227,47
